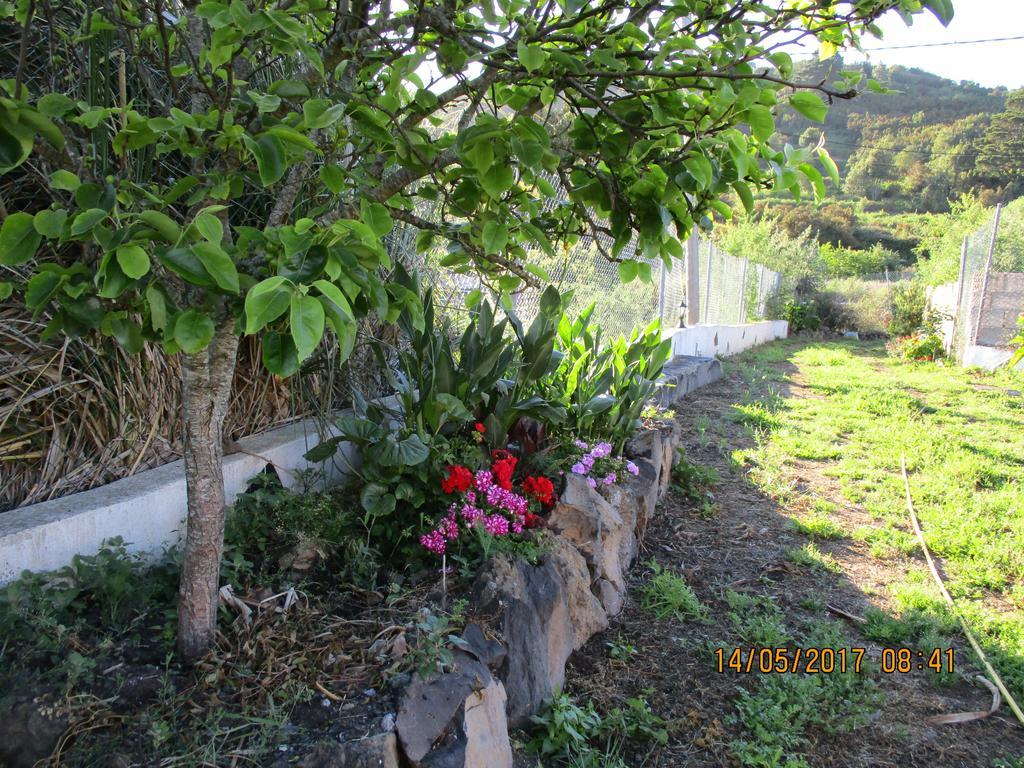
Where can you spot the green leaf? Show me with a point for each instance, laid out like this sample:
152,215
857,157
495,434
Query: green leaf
495,236
628,270
307,324
762,124
333,178
163,224
268,152
742,190
498,180
184,263
49,223
473,298
18,239
86,220
531,56
193,330
829,165
333,294
265,302
376,500
157,307
218,265
279,355
210,227
700,168
133,260
6,289
304,266
318,113
391,452
814,176
64,180
376,216
41,288
55,105
809,105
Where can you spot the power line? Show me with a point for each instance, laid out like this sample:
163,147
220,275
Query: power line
941,45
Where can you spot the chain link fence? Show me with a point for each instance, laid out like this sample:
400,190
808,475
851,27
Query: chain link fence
990,290
732,290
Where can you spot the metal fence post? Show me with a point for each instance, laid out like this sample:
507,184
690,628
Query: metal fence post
661,293
743,292
988,267
959,295
693,278
707,282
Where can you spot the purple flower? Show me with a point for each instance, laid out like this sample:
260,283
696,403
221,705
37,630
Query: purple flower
632,468
579,469
483,480
496,525
580,444
601,450
588,462
449,528
609,479
434,542
592,482
471,514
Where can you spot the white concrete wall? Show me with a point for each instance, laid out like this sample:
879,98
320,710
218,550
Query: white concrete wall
147,509
725,340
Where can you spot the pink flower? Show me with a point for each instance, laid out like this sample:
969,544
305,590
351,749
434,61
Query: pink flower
592,482
609,479
483,480
632,468
579,469
434,542
496,525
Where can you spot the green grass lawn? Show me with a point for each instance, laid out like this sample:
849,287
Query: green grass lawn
963,435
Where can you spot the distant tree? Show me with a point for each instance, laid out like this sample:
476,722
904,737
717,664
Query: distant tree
1001,160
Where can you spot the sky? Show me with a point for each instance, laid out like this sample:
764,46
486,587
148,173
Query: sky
989,64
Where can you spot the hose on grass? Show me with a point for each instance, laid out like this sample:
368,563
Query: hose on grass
1011,702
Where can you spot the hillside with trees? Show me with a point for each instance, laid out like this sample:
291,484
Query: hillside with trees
919,156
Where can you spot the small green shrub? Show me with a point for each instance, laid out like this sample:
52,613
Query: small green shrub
667,595
908,304
801,316
695,482
579,737
757,620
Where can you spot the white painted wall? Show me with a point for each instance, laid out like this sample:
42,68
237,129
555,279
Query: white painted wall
725,340
148,509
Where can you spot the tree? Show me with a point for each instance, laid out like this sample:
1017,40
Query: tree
229,167
1001,159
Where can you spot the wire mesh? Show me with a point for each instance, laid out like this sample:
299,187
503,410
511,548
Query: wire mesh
991,294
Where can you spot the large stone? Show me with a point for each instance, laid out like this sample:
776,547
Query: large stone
456,719
29,731
626,502
597,530
429,706
532,610
380,751
586,614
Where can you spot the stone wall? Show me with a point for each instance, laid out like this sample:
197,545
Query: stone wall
504,671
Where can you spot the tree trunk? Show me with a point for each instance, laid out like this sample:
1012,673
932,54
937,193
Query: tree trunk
206,389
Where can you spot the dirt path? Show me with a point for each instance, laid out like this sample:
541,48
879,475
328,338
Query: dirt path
745,546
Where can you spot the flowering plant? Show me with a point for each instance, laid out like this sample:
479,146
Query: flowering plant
598,465
487,504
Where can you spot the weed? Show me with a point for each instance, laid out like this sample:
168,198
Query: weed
694,482
817,526
757,620
620,650
812,604
667,595
435,637
579,737
811,557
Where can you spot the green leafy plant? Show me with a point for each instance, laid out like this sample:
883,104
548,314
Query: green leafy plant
695,482
908,307
569,735
667,595
1017,344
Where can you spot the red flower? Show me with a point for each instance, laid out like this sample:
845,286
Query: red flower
502,470
479,427
459,480
531,520
540,488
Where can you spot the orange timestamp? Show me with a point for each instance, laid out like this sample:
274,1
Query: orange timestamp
789,660
827,661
